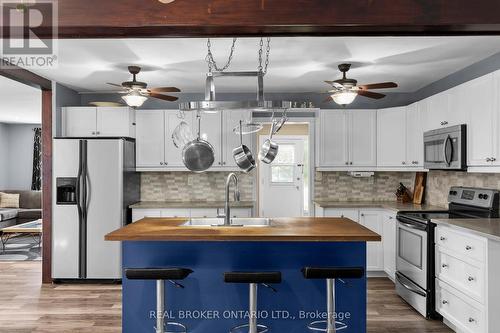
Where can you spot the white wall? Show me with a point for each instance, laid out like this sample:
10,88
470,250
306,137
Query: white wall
16,164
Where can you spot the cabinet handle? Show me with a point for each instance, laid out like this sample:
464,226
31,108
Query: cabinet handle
161,163
444,265
362,215
346,163
471,320
488,159
444,301
93,133
470,278
98,132
442,238
403,162
468,247
165,163
390,217
493,159
350,163
444,123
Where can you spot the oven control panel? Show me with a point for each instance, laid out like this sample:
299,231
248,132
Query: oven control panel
472,196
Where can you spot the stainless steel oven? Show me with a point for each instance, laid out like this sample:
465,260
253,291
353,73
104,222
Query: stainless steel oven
445,148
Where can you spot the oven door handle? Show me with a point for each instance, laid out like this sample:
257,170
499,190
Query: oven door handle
407,286
413,226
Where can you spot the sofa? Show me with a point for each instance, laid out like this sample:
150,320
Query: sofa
30,208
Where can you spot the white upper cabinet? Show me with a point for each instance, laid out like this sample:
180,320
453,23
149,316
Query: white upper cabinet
173,154
479,98
86,121
362,138
437,112
150,141
391,137
211,131
332,139
414,135
347,139
79,121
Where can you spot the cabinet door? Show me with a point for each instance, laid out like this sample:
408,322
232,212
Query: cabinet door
479,101
173,155
352,214
496,120
333,134
374,250
150,139
176,212
389,244
391,137
437,111
79,121
230,140
115,121
211,131
363,137
414,136
138,214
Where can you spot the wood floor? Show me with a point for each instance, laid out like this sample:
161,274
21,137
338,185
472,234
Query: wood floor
26,306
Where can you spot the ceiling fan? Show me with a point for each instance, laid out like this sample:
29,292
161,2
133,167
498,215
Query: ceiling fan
346,90
137,92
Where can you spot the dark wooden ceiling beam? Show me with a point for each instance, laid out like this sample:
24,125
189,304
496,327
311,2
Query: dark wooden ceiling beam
24,76
190,18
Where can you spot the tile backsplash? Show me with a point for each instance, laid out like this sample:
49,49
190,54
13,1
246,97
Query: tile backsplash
339,186
190,186
439,183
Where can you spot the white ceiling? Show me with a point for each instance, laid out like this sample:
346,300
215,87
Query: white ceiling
19,103
296,64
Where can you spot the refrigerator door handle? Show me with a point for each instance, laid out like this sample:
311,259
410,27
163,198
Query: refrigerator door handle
83,207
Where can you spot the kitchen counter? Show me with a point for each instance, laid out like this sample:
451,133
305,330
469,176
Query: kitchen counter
190,204
282,229
392,205
489,228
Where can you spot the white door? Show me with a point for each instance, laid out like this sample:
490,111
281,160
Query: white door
333,132
281,185
414,136
374,250
391,137
230,140
363,137
115,121
173,155
211,127
150,133
79,121
479,102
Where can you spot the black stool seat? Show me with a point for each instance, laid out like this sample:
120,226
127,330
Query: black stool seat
170,273
252,277
333,272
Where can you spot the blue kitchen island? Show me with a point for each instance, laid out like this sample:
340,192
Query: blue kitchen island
208,304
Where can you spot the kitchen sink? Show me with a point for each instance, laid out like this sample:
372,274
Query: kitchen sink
235,222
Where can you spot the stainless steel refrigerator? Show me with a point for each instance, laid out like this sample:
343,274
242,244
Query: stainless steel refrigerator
94,183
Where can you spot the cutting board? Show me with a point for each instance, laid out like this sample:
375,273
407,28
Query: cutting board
419,188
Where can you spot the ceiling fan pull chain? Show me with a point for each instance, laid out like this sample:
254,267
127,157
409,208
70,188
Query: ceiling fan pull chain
211,61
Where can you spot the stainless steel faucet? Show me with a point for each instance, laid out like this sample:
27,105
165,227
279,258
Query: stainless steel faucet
227,209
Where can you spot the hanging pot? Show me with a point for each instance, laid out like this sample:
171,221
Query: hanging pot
198,155
243,156
269,148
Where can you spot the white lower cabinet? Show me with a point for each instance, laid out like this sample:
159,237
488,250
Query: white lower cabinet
375,220
467,270
140,213
389,243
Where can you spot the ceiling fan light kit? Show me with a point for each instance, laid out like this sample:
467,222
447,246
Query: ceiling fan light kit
344,97
134,99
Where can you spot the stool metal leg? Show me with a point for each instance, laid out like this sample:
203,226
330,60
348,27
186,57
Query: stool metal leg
330,290
252,322
160,306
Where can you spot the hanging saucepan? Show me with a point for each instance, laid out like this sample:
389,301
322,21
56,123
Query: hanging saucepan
242,155
269,148
198,155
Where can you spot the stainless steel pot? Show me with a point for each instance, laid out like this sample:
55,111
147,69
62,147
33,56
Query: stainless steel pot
243,156
198,155
269,148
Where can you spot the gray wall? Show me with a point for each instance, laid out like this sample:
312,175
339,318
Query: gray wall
16,151
473,71
61,96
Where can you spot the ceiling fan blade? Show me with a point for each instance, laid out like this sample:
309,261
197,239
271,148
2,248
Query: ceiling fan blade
380,85
164,89
163,97
370,94
114,84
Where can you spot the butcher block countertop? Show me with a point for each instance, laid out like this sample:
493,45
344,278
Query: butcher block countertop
303,229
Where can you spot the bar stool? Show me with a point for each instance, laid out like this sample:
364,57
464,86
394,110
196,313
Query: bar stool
160,275
253,279
330,274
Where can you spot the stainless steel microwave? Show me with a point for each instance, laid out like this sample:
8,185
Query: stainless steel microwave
445,148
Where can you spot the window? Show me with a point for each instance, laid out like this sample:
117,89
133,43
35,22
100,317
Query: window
282,169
